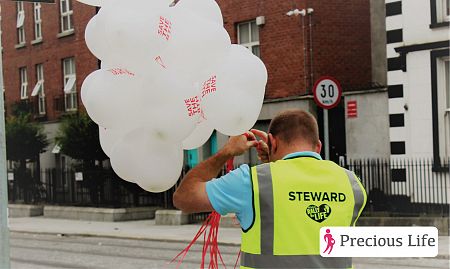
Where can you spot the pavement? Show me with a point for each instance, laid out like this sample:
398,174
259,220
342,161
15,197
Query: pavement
142,230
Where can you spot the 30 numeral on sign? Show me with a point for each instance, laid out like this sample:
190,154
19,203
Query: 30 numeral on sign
327,92
330,91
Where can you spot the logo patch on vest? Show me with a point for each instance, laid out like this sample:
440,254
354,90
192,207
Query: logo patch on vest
318,213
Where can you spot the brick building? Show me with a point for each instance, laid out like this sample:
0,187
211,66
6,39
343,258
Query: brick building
44,52
337,44
343,39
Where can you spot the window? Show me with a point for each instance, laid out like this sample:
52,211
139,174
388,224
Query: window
39,88
440,13
23,83
37,21
70,90
442,103
446,10
440,90
65,9
447,108
248,36
20,23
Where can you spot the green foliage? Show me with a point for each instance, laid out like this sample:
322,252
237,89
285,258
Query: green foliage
78,138
25,140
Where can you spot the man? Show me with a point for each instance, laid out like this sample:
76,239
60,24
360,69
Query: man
283,203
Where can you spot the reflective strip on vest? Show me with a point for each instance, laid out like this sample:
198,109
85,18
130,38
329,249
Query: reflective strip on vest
266,202
267,259
358,195
289,261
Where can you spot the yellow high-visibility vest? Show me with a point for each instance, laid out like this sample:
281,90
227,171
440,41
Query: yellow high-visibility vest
292,200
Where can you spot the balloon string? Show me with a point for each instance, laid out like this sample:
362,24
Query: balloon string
210,232
186,250
237,260
210,238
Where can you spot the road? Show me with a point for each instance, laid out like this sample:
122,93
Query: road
38,251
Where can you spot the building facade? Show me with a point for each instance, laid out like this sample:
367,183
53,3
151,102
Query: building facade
418,86
44,54
418,68
299,41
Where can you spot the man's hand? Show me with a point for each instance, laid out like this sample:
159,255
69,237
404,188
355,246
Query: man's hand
262,148
238,145
191,195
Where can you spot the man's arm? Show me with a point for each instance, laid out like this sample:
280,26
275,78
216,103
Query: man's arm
191,195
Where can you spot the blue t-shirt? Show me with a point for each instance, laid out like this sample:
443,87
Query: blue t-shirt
232,193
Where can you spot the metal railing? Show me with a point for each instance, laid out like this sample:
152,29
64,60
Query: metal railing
405,187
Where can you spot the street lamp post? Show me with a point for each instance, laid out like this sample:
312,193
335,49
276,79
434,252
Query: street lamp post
4,229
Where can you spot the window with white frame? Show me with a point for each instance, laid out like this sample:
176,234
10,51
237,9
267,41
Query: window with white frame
23,83
447,107
248,36
37,21
70,91
66,12
446,10
443,105
39,89
20,23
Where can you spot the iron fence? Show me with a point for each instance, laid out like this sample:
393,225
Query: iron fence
100,188
405,186
402,187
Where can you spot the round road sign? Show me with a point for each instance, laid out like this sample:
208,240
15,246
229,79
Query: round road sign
327,92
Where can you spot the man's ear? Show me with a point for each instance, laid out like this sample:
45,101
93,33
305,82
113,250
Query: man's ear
318,147
273,144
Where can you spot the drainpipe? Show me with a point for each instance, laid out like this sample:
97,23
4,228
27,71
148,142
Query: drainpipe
302,12
310,11
305,63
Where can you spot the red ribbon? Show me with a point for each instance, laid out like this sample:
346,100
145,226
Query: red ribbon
210,232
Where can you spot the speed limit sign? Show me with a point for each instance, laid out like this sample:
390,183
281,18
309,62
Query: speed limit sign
327,92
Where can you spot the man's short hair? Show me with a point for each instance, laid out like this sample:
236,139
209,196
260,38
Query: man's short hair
295,125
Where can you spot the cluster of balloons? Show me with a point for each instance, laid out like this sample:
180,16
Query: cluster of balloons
169,77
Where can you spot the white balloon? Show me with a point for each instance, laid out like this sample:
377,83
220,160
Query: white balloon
168,78
169,106
235,102
199,136
109,137
196,45
136,37
110,97
95,3
206,9
94,36
153,165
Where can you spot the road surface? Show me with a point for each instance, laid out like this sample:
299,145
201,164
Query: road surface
38,251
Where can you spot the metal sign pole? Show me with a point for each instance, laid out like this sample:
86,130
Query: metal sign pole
327,93
4,230
326,134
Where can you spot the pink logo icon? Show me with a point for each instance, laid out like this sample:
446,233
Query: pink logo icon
329,240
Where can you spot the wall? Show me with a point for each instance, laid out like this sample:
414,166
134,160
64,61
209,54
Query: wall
414,103
50,51
378,41
341,42
368,134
